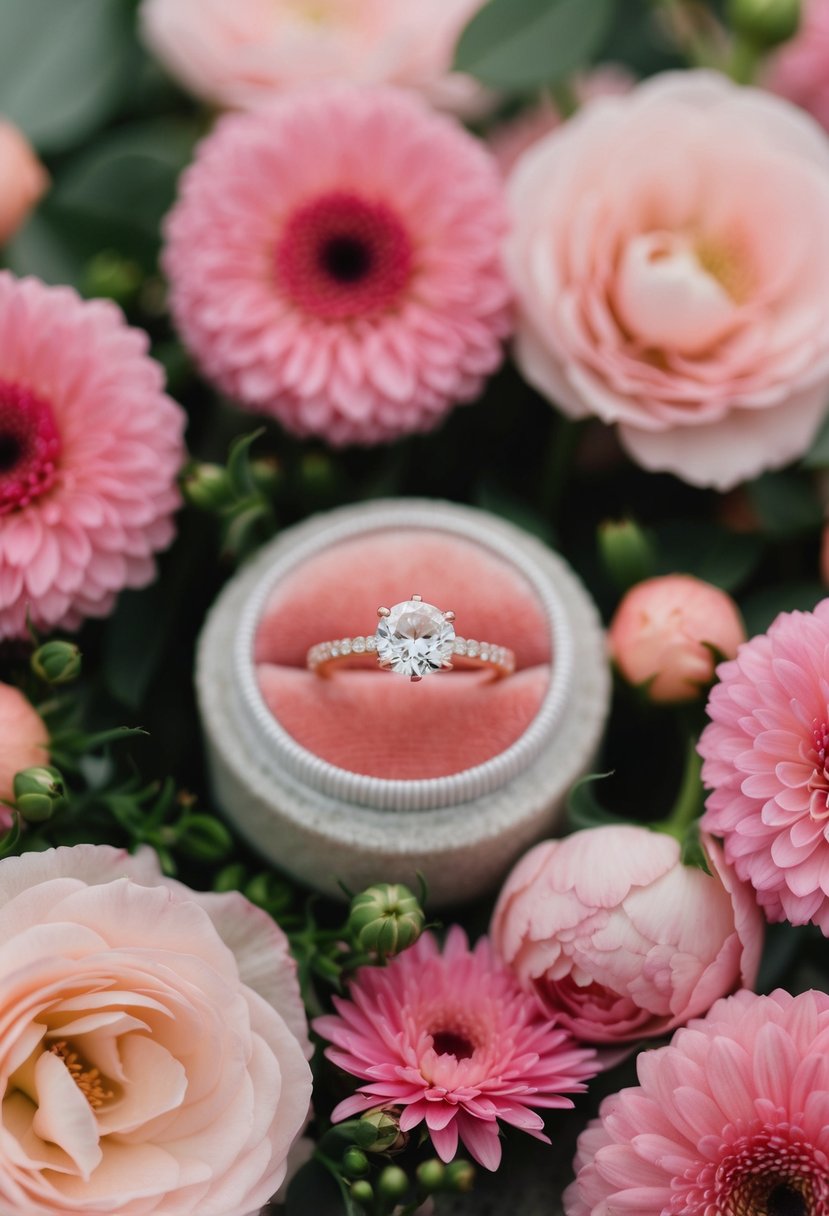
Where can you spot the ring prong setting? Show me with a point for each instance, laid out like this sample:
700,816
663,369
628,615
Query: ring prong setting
449,616
383,612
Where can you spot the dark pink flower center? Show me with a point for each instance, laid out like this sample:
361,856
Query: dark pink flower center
29,447
451,1043
772,1173
819,780
342,256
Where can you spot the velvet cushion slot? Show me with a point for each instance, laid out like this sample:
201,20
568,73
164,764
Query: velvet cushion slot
372,722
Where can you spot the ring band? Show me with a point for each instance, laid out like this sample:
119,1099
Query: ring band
413,639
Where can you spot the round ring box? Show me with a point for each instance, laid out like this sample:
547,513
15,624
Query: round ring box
352,778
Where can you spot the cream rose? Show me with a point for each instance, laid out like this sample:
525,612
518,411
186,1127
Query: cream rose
670,252
153,1042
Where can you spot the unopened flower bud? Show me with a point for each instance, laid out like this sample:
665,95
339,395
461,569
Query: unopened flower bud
668,634
111,276
388,1135
362,1192
626,552
431,1175
205,838
459,1176
355,1163
207,486
386,919
765,22
393,1183
57,662
38,792
266,474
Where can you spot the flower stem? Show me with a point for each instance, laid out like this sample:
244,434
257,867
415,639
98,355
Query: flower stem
690,799
745,60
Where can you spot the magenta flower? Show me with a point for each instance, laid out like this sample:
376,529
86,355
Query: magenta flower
90,447
766,753
452,1039
334,261
730,1119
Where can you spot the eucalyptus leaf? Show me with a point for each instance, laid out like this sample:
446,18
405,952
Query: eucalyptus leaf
65,65
519,45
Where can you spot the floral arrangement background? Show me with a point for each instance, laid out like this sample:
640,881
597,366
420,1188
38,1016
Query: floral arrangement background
263,259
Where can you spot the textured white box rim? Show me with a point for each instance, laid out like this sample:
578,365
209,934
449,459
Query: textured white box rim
324,823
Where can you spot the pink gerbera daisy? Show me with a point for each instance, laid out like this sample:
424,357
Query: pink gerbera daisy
730,1119
453,1040
766,753
89,451
334,261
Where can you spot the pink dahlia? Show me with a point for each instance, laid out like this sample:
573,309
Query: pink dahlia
452,1039
766,753
800,70
334,261
730,1119
89,451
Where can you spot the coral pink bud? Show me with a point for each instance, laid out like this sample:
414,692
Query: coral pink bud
22,179
668,633
24,738
619,939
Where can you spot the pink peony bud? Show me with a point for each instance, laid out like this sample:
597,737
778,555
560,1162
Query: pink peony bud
23,743
620,939
668,632
22,179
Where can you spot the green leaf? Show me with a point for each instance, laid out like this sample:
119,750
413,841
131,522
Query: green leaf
818,455
583,808
518,45
726,559
64,67
787,503
760,609
314,1190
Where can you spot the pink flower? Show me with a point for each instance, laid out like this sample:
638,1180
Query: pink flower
452,1039
334,262
800,71
243,54
670,250
24,743
766,753
89,451
22,179
730,1119
662,633
153,1047
619,939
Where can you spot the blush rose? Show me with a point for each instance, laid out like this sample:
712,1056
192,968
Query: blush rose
620,940
670,253
153,1042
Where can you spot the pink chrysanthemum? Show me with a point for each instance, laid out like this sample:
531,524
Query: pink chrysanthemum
730,1119
334,261
766,753
89,451
452,1039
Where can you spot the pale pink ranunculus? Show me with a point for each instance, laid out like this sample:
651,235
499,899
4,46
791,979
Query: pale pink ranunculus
23,180
668,632
670,252
800,69
243,54
23,743
153,1043
619,939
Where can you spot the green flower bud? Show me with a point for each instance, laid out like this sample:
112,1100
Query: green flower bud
203,837
431,1175
355,1163
460,1176
388,1136
393,1183
266,474
230,878
386,919
57,662
112,276
362,1193
626,552
766,23
38,793
207,486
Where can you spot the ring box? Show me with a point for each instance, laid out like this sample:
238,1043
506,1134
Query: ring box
363,776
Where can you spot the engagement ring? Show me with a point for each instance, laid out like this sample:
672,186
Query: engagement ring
413,639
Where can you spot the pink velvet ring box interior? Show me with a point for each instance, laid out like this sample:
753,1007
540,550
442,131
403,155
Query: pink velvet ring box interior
361,774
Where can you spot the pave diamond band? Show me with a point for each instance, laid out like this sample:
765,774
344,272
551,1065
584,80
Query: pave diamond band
413,639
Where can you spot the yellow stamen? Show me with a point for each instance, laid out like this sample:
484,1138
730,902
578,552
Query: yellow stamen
88,1080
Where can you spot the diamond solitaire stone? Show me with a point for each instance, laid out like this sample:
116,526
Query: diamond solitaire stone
415,639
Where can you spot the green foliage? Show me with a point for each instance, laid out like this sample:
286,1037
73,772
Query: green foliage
518,45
